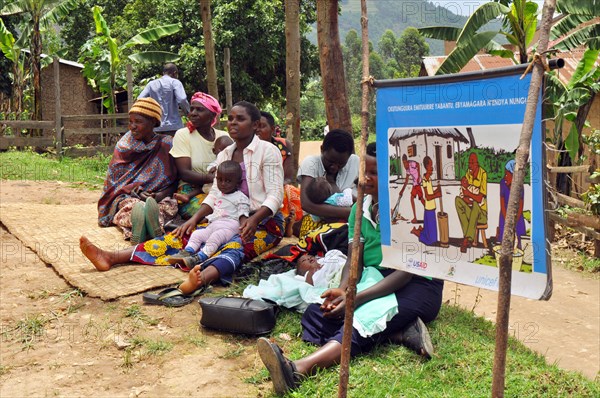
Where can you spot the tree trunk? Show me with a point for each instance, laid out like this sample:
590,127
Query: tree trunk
209,49
36,50
508,239
292,81
332,67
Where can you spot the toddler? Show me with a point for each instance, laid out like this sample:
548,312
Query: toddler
319,190
220,143
231,208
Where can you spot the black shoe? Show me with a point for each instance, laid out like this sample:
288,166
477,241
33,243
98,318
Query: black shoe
416,337
282,370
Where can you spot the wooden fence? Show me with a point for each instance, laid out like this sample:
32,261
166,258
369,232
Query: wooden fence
60,133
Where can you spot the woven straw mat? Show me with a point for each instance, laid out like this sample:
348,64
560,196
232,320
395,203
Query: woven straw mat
53,232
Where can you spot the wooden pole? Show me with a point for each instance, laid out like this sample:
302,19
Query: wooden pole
209,49
516,188
129,87
356,252
292,78
57,108
227,75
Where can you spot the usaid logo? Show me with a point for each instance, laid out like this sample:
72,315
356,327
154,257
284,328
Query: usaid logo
412,263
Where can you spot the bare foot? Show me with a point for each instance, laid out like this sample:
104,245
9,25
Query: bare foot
415,221
100,258
183,198
194,281
416,231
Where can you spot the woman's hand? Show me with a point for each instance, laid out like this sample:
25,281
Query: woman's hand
334,305
145,195
248,229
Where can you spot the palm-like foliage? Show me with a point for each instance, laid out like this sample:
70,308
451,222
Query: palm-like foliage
579,25
38,15
11,49
104,58
519,21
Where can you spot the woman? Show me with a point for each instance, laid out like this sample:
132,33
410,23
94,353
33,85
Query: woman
193,151
339,165
140,171
292,209
262,181
417,298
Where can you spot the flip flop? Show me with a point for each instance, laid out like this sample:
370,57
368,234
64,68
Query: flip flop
281,369
172,297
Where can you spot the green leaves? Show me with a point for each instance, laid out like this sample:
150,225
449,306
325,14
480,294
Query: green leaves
7,42
462,54
156,57
152,35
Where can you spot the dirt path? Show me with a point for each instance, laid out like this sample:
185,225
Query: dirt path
55,342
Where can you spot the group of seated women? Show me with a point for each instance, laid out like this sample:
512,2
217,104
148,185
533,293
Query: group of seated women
144,171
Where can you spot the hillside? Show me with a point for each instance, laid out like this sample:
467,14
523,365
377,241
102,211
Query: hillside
398,15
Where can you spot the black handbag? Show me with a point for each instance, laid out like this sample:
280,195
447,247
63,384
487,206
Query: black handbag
238,315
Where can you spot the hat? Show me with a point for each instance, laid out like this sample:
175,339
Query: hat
148,107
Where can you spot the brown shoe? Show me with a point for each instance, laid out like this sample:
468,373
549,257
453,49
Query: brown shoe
465,245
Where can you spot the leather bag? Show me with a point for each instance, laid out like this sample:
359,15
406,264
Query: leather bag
238,315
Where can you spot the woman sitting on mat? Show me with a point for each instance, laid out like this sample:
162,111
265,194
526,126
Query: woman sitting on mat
141,177
193,151
414,299
338,163
262,181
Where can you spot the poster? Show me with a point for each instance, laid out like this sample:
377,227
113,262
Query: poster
446,146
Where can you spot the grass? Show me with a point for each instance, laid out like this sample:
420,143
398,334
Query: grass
28,165
462,366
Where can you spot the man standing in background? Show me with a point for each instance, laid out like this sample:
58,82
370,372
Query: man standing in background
169,93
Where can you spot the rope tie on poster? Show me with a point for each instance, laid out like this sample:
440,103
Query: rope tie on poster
370,79
539,59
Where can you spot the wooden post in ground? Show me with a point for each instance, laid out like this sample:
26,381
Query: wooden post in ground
292,76
227,76
57,108
209,49
356,252
129,87
504,288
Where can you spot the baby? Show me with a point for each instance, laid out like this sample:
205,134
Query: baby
319,190
230,209
320,271
220,143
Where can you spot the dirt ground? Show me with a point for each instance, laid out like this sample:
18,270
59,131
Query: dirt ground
54,342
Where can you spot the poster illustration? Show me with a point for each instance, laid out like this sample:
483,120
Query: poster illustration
448,148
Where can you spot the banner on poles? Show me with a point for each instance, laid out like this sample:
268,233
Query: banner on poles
446,148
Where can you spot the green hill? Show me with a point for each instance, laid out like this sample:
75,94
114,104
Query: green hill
398,15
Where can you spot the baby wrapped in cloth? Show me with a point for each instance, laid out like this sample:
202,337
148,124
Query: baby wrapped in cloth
291,290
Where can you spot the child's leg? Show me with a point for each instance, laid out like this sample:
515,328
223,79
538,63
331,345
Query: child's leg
198,237
221,232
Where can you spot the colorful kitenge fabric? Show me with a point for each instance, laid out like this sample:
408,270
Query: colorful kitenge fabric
291,201
186,210
268,234
135,164
282,146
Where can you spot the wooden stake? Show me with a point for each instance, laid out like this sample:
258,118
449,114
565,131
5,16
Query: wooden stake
504,289
356,252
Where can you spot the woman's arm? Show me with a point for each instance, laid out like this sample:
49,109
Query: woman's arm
322,210
184,169
390,284
288,165
168,191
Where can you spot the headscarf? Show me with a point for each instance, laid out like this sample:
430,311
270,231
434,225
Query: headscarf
510,166
210,103
148,107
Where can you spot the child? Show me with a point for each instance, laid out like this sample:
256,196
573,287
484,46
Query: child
220,143
427,233
319,191
231,208
321,271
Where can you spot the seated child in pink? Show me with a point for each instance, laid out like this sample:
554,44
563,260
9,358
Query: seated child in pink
320,191
231,208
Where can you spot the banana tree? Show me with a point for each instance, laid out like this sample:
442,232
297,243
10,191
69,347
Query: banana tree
104,58
38,15
519,22
11,49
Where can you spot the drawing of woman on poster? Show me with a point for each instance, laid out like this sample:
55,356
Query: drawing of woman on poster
505,184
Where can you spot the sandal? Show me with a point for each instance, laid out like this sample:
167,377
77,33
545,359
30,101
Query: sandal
173,297
281,369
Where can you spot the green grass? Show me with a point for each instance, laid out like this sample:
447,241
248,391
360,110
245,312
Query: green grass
462,366
29,165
